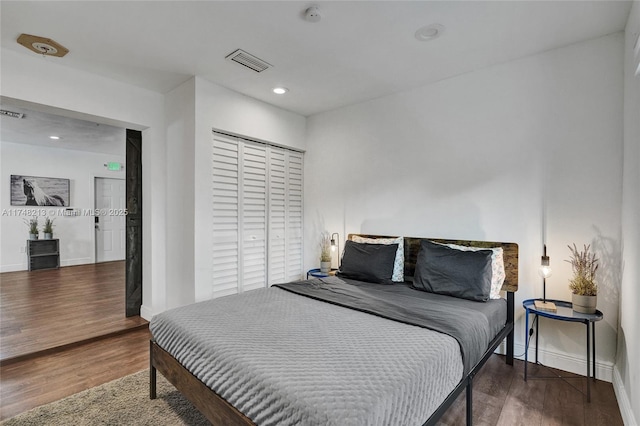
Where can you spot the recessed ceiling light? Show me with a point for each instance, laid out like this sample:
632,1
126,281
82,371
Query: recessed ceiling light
55,138
280,90
429,32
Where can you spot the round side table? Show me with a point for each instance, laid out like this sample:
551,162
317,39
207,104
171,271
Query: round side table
564,312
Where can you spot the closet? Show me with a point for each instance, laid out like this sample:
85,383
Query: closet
257,214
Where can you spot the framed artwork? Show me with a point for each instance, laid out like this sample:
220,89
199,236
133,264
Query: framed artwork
39,191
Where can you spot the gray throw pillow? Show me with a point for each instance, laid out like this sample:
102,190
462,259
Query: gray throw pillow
368,262
444,270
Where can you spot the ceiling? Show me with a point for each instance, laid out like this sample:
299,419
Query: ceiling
358,51
36,127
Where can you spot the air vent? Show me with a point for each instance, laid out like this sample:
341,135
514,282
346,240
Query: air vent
248,60
11,113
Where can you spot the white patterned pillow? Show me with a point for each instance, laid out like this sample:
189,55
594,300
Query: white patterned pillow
398,266
497,267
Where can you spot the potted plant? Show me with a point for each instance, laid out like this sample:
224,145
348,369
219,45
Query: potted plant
32,224
325,253
583,284
48,228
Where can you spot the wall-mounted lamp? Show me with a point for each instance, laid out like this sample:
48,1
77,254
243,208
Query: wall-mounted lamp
545,272
335,245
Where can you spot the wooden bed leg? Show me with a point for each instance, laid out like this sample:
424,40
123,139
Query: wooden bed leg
510,318
152,374
469,402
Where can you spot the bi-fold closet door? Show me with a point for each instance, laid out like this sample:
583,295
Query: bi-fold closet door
257,215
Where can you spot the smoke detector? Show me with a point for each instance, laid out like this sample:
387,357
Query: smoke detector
312,14
43,46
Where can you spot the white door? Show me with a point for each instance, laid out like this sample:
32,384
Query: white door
110,219
253,215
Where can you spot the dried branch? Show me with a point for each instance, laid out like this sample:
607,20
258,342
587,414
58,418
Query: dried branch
584,265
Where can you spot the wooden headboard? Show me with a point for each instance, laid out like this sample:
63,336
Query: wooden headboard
412,246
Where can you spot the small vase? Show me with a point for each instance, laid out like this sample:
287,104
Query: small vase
48,235
33,236
325,267
584,304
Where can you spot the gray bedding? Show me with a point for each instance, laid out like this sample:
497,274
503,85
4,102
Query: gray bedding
472,324
283,359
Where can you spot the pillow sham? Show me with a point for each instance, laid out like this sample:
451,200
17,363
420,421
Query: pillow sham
498,274
444,270
368,262
398,266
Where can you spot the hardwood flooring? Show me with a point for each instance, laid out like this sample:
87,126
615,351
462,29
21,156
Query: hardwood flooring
502,397
48,309
63,331
33,382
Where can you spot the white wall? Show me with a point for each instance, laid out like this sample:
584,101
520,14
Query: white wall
76,233
468,158
627,370
47,81
222,109
180,122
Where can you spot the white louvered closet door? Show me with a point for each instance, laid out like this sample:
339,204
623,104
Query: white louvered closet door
295,184
253,216
226,219
277,216
257,215
285,215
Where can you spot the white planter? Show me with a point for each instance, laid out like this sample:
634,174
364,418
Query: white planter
48,236
584,304
325,267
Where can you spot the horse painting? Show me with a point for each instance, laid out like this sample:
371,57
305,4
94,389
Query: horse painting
34,191
37,197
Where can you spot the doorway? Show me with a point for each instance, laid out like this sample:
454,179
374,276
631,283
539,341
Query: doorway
106,138
110,210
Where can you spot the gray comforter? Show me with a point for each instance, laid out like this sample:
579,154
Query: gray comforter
284,359
472,324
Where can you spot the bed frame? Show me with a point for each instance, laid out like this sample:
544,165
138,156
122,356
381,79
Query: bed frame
219,412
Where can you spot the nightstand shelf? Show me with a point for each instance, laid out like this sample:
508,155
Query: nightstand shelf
564,312
43,254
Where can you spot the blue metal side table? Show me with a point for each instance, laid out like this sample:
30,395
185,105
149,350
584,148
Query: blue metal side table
564,312
316,273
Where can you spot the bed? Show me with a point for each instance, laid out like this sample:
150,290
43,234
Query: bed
343,350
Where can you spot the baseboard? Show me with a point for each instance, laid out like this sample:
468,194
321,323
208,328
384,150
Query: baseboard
565,362
74,262
623,401
67,262
146,313
13,268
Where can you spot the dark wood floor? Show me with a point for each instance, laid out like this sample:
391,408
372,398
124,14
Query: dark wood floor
63,331
33,382
48,309
501,397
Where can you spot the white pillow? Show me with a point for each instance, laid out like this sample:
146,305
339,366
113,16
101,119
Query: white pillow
497,267
398,265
